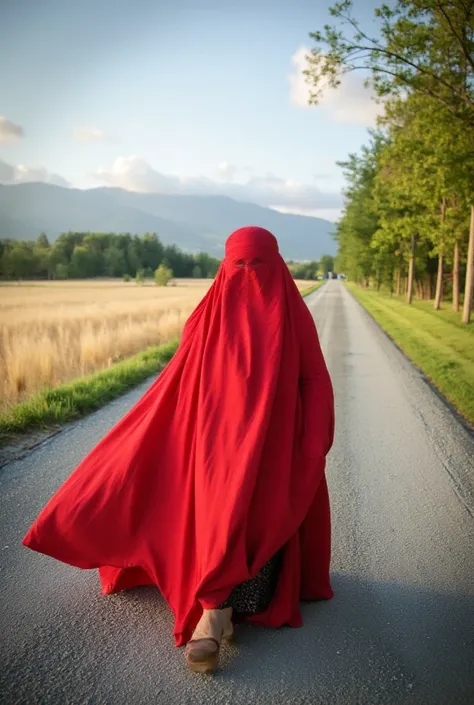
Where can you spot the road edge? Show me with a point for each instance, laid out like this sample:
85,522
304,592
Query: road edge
427,380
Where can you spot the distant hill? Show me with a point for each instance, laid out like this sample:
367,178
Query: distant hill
194,223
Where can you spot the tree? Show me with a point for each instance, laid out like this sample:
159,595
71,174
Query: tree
423,46
163,275
44,267
42,242
197,274
326,264
81,265
207,264
115,261
87,255
361,218
467,308
133,255
151,251
440,161
61,271
304,270
18,260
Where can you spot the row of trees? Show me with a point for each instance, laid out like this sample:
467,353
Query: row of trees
409,215
86,255
312,270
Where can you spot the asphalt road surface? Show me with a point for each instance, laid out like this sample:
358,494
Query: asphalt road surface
401,627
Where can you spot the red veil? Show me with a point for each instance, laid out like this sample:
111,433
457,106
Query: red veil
221,463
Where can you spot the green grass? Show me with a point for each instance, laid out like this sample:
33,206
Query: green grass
55,407
436,341
311,289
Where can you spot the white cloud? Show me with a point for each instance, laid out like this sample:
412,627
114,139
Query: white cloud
90,134
351,102
7,173
226,171
22,174
135,174
331,214
9,131
299,89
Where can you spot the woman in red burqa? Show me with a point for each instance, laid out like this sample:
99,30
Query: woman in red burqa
212,487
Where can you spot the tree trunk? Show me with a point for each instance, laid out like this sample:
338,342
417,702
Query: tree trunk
411,270
398,289
439,279
456,277
439,282
466,314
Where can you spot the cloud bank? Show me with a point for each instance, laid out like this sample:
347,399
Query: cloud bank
352,102
21,174
90,134
133,173
287,195
9,131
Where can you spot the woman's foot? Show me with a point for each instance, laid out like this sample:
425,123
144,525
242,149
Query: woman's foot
202,652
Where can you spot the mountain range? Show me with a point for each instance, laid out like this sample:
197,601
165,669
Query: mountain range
194,223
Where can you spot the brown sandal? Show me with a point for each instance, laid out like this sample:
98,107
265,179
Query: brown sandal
202,655
202,652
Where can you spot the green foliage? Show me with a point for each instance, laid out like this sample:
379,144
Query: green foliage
304,270
422,60
424,48
311,289
326,264
61,271
436,342
42,242
87,255
360,219
163,275
408,195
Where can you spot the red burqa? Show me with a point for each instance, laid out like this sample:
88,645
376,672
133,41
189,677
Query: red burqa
220,464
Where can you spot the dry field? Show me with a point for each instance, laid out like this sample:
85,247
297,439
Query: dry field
52,332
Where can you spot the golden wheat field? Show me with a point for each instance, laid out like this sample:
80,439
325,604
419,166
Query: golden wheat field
52,332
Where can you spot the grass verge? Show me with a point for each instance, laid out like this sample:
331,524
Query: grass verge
436,341
55,407
311,289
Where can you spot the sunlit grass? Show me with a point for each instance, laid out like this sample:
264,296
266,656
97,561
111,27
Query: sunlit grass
436,341
55,332
67,402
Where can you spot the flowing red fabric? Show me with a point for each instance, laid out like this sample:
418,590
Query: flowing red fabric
220,464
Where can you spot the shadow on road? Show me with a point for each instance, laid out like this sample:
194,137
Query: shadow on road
374,643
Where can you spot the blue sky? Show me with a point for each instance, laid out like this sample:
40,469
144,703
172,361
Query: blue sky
178,96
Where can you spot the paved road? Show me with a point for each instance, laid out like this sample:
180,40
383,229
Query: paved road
400,629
